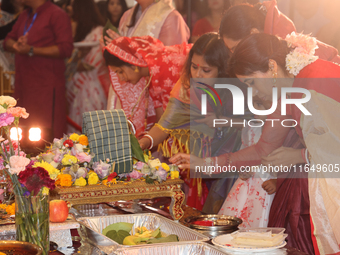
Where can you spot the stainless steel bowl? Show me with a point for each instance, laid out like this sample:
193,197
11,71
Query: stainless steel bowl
16,247
223,224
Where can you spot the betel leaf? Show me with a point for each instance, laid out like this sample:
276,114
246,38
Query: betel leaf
117,236
109,25
118,226
156,233
168,239
136,150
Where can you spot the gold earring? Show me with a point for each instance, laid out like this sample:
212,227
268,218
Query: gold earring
274,79
136,70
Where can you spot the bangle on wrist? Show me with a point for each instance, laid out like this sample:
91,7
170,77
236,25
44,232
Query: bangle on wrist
151,141
132,126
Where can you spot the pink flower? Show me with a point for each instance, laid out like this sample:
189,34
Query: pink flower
135,174
58,156
6,119
2,167
139,165
18,164
83,157
18,112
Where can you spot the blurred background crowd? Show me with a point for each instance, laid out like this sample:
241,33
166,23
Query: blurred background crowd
88,17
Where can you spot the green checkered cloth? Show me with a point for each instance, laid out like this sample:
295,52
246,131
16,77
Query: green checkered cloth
108,135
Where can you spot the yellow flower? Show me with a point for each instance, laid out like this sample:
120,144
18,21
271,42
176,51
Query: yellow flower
83,140
53,172
45,191
146,158
174,174
165,167
105,182
80,182
114,181
69,160
11,209
74,137
65,180
93,179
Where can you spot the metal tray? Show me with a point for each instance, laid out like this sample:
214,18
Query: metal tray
173,249
95,225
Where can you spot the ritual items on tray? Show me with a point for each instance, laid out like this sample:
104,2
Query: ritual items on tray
122,233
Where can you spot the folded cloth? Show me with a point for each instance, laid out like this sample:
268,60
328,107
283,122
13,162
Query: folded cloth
108,135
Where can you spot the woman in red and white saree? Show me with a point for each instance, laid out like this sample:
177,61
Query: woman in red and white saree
164,65
319,131
317,199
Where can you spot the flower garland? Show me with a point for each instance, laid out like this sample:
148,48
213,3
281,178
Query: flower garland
302,54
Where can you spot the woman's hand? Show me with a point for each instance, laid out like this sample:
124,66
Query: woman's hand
186,161
112,35
283,156
144,143
270,186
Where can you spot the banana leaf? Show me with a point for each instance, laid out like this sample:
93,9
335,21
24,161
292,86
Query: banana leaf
136,150
109,25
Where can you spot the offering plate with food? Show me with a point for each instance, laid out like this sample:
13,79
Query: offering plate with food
252,240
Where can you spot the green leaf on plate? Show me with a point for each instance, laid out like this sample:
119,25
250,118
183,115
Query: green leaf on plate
168,239
117,236
118,226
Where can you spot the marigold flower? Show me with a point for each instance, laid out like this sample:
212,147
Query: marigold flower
53,172
57,181
80,182
69,160
93,179
10,210
83,140
74,137
174,174
65,180
165,167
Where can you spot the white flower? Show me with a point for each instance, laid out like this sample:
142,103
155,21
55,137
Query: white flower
304,47
17,164
2,109
9,101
